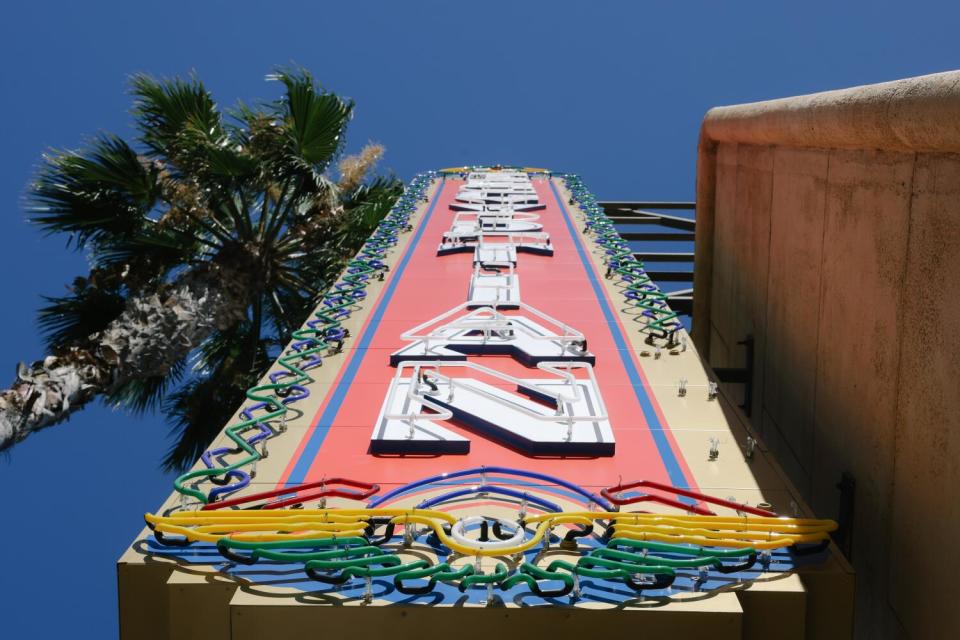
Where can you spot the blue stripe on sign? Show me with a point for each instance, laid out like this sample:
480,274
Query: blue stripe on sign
667,455
313,445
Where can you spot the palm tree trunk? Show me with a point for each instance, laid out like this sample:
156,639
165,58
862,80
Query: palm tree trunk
154,332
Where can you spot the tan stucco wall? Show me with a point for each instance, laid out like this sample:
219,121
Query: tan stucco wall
829,229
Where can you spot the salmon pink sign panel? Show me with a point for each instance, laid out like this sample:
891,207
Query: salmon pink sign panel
564,286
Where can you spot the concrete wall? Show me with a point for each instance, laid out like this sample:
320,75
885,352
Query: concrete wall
829,229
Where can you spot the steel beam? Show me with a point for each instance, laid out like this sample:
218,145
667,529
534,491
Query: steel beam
648,204
656,235
656,256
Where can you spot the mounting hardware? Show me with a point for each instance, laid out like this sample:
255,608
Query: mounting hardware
672,339
751,447
712,390
701,579
682,391
368,590
714,449
843,536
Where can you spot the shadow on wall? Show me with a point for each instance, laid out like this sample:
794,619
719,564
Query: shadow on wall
829,229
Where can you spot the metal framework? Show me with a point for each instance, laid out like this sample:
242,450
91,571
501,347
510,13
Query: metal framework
671,228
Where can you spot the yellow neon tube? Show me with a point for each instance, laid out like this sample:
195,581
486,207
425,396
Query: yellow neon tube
703,520
717,535
193,534
333,520
224,528
298,524
706,533
277,513
700,541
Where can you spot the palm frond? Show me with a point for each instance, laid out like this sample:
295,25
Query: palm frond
70,319
224,348
315,120
364,208
163,248
380,187
175,116
252,190
101,192
230,161
145,394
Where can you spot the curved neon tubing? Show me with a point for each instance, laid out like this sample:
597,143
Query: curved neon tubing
590,497
780,524
271,550
663,547
489,488
740,533
458,533
390,569
594,561
530,575
366,490
311,534
500,574
614,495
644,561
773,543
331,515
309,522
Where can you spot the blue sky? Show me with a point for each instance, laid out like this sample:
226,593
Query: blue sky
612,90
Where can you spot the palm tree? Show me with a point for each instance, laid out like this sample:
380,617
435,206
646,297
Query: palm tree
210,239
